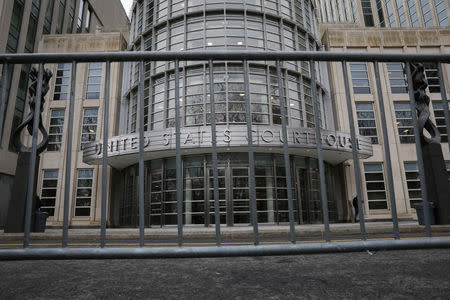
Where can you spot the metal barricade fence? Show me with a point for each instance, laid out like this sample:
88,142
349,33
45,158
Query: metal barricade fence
8,60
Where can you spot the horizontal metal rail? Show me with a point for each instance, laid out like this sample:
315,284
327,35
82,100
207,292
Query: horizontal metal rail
215,251
221,55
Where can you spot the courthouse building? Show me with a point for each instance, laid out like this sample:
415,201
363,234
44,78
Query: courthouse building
24,23
229,25
386,26
272,25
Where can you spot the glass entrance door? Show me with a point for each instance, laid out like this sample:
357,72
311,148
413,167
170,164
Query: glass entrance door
309,194
222,195
240,197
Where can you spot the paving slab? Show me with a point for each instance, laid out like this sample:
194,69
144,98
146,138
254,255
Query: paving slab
411,274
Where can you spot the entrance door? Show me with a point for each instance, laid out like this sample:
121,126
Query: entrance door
223,193
234,200
310,206
240,197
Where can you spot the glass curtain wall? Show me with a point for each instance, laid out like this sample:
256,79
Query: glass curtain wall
234,203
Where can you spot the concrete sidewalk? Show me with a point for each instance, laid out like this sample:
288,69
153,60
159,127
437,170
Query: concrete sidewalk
234,233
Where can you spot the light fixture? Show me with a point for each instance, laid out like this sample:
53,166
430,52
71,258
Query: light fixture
91,131
292,104
209,44
241,94
405,131
240,43
397,122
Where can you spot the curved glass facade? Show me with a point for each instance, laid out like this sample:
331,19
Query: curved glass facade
174,25
229,95
225,25
198,205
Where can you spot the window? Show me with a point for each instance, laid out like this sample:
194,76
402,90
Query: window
431,72
9,75
48,191
94,80
413,13
55,131
32,26
295,100
367,13
366,121
195,104
87,25
162,10
440,120
71,16
441,12
413,183
397,78
89,129
194,191
404,122
157,108
177,36
84,192
20,103
380,14
80,16
390,13
149,13
354,12
309,108
360,78
426,13
48,18
14,27
61,11
376,191
140,16
401,13
274,95
62,81
132,109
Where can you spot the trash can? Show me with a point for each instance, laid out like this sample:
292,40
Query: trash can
421,214
40,219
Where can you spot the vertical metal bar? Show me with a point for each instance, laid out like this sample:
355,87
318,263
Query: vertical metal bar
105,154
214,154
141,154
31,170
423,185
3,99
251,157
323,187
69,156
287,161
178,156
351,120
444,102
387,151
